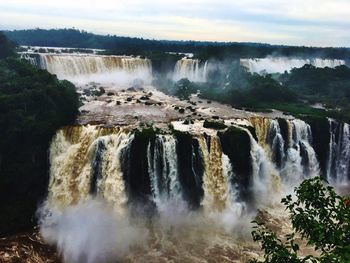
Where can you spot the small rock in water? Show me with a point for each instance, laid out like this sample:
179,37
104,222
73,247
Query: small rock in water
102,90
188,121
132,89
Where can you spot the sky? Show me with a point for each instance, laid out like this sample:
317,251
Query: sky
289,22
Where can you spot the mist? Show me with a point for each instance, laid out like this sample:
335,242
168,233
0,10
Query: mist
89,232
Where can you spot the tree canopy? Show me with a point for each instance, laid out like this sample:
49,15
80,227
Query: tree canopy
33,105
318,215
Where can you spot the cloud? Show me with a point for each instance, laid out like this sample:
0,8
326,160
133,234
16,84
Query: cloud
275,21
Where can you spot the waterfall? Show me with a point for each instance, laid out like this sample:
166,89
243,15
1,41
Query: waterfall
33,59
215,182
264,176
86,160
85,68
282,64
190,69
221,193
163,171
338,168
301,157
293,155
180,171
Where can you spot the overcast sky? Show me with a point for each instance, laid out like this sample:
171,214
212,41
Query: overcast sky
295,22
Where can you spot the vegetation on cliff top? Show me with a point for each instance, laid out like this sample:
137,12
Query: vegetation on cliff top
33,105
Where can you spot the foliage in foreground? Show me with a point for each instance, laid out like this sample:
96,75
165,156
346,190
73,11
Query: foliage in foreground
320,217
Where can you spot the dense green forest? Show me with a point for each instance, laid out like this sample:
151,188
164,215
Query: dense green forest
138,46
33,105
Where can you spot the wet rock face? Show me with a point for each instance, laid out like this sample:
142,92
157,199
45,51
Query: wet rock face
284,130
320,135
235,144
190,168
135,166
214,124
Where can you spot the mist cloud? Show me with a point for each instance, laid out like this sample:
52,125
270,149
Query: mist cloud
89,232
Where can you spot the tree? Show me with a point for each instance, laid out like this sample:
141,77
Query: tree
33,105
320,216
6,47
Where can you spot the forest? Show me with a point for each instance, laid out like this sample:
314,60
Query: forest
138,46
33,105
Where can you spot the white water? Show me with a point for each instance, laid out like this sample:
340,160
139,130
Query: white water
265,178
190,69
338,168
163,171
282,64
83,68
87,204
291,169
302,137
73,157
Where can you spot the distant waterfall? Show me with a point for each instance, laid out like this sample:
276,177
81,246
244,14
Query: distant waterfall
338,167
190,69
33,59
282,64
97,68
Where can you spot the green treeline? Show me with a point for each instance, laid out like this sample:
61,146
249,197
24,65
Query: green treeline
33,105
138,46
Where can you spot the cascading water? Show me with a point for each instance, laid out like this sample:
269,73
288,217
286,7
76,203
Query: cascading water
32,59
163,170
190,69
292,152
282,64
87,160
106,69
338,168
93,163
264,176
301,159
215,181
